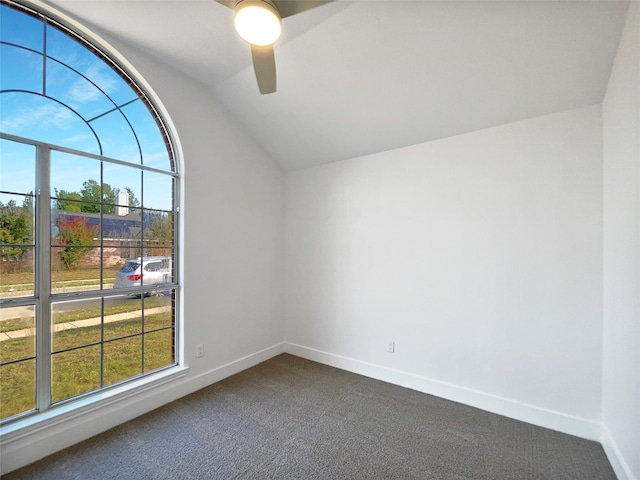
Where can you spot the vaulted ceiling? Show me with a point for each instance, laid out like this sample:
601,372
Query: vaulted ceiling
358,77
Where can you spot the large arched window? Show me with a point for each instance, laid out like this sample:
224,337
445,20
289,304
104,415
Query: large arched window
88,216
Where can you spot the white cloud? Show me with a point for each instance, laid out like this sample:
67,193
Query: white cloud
48,115
101,75
82,91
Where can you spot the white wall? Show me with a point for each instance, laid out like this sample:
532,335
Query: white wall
233,236
479,255
621,334
232,263
233,216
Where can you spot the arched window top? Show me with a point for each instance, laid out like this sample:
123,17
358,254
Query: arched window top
89,218
62,82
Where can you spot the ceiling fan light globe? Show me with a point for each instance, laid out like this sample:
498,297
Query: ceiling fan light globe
257,22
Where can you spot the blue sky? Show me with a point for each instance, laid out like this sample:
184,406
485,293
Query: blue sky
72,101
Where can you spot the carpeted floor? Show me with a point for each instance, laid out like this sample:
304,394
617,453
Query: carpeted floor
290,418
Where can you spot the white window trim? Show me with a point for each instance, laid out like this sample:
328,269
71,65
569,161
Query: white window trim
20,428
56,415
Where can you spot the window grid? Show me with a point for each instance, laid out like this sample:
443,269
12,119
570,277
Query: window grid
158,322
44,298
123,74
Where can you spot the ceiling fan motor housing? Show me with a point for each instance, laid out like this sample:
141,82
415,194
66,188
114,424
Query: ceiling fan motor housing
257,21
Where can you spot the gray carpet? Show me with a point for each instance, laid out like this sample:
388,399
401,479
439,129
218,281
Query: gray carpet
290,418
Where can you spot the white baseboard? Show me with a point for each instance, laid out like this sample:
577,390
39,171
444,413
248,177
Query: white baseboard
542,417
620,467
22,443
220,373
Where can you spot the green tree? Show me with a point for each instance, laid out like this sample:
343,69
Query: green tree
63,203
91,193
78,238
16,230
89,198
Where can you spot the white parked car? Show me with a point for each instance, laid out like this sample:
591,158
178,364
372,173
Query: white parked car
144,271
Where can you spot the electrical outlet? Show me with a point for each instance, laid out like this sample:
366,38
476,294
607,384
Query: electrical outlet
391,346
200,351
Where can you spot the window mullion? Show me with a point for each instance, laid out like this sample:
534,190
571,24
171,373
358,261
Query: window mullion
43,281
96,318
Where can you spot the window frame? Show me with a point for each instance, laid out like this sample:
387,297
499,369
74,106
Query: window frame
43,298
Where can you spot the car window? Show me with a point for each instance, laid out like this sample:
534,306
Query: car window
130,267
151,267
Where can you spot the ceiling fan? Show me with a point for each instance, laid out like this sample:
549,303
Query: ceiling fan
259,23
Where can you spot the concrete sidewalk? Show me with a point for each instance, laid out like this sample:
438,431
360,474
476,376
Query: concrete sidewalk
89,322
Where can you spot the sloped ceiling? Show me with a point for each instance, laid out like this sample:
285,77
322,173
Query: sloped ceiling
358,77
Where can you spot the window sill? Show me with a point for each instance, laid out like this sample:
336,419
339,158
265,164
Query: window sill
37,422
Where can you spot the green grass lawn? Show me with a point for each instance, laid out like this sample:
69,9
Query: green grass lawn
22,281
89,366
100,355
60,275
128,305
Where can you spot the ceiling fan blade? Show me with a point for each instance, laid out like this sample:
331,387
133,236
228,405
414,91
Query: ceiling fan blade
264,64
292,7
227,3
